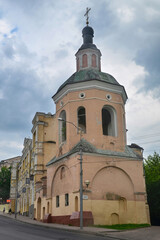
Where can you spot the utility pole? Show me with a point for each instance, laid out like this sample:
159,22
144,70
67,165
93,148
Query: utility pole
81,187
81,171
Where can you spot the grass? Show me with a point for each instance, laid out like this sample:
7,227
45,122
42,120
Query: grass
123,226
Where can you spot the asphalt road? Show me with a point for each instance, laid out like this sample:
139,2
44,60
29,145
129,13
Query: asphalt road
11,229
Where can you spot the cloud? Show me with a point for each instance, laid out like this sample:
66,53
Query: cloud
4,27
22,92
14,30
10,148
1,94
126,14
39,39
150,59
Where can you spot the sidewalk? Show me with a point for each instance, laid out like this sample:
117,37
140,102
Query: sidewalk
88,230
150,233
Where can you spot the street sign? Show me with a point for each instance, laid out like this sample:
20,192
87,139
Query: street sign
85,197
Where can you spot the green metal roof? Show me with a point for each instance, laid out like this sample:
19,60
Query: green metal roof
89,148
88,75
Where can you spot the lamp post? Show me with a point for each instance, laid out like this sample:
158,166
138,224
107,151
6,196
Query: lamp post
81,172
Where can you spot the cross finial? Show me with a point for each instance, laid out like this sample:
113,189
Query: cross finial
86,14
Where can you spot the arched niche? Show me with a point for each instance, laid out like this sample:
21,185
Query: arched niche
112,183
84,61
94,60
62,185
39,209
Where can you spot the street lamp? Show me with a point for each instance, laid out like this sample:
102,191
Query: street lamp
81,172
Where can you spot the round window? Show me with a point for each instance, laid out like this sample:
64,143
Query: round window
82,95
108,96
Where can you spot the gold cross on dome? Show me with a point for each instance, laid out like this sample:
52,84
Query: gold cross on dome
86,15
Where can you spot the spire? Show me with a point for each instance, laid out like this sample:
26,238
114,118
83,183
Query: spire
88,55
87,34
86,15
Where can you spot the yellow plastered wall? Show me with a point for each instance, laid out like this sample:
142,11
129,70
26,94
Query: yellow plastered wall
7,207
62,209
111,212
42,210
13,205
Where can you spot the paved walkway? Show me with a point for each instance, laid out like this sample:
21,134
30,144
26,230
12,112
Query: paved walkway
150,233
90,230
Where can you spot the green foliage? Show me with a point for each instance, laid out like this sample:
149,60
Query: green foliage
152,168
123,226
5,177
152,175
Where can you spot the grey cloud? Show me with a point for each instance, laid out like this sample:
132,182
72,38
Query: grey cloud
150,59
21,99
60,54
23,91
10,144
8,49
138,38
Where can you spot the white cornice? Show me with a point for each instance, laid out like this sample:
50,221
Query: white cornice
91,84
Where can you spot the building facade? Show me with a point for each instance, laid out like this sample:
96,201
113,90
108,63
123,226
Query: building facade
44,133
13,183
23,179
113,180
29,174
8,162
90,117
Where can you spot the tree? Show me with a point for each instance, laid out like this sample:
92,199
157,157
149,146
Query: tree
5,177
152,175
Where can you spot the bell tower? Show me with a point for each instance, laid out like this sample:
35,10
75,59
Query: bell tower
92,100
88,55
95,102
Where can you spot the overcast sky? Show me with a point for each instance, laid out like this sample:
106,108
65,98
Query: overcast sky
38,42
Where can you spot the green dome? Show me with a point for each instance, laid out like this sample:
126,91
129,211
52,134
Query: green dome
88,75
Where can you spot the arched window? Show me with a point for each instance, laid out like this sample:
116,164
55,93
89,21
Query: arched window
62,127
82,118
76,204
84,61
109,123
94,63
48,207
43,212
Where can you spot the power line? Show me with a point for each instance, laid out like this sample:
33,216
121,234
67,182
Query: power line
150,142
147,136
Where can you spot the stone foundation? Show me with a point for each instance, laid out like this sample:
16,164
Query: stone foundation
73,220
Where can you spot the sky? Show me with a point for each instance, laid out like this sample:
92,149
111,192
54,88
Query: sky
38,42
